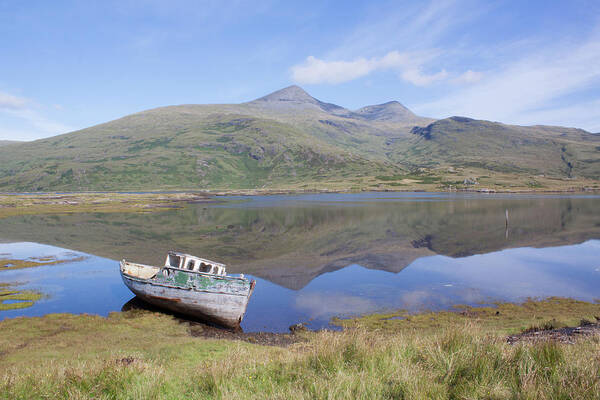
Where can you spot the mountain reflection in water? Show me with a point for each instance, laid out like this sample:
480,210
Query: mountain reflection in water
317,256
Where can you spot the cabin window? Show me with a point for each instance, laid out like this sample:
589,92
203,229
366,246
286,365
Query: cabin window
205,267
174,261
190,265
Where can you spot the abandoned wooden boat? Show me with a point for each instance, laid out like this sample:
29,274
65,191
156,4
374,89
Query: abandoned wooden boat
192,286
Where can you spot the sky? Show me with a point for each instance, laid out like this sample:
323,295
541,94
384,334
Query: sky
70,64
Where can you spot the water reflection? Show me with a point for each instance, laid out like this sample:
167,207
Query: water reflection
90,284
94,285
318,256
438,282
290,240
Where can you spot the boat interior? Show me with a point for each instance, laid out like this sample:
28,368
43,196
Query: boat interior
139,270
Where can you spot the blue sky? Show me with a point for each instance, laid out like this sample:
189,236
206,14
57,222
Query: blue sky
66,65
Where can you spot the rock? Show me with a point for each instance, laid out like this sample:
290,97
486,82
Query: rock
299,327
470,181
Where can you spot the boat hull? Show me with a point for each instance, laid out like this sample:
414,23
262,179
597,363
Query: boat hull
218,304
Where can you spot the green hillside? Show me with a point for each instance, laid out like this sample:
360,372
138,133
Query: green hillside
460,141
7,142
289,139
182,152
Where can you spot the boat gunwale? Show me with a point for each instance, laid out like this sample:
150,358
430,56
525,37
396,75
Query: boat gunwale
189,271
148,282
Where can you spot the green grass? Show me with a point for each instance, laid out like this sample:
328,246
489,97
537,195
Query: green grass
451,364
21,298
72,203
534,184
411,179
390,178
397,184
134,355
507,318
8,264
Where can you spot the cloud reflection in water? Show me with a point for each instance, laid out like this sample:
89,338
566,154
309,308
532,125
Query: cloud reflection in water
439,282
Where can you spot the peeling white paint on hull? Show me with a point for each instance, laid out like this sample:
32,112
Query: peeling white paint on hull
225,309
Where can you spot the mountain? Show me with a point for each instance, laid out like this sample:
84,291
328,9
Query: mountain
6,142
294,98
288,139
392,111
548,150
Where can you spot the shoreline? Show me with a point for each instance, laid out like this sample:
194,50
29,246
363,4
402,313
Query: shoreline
14,204
139,354
266,192
513,319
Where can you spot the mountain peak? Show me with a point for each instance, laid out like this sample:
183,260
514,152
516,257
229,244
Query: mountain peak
295,99
291,93
392,111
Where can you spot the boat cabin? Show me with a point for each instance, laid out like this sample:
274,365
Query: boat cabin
191,263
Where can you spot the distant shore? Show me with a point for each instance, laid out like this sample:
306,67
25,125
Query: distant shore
262,192
12,204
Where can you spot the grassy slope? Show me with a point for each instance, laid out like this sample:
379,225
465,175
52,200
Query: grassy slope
181,150
300,146
7,142
464,142
146,355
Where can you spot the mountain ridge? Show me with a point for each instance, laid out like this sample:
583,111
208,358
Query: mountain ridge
390,111
289,139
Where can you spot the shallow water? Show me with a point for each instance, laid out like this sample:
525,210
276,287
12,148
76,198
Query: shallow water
318,256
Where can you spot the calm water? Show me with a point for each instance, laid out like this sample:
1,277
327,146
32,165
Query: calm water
319,256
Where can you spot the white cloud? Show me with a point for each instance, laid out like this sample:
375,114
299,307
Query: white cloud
532,89
41,123
315,70
417,78
581,115
10,102
469,76
413,25
416,28
25,115
409,66
547,77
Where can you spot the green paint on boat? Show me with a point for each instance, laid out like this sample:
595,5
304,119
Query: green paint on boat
181,278
203,282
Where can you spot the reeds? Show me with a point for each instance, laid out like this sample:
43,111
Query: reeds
456,363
